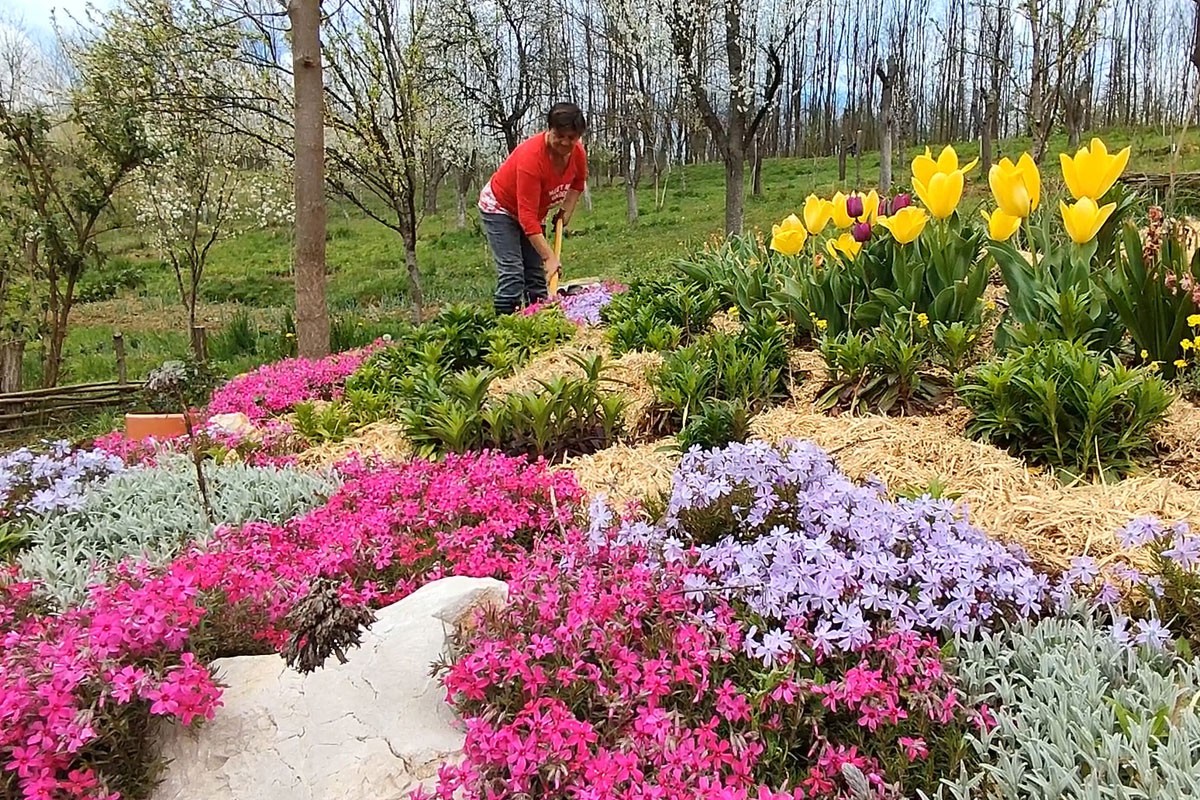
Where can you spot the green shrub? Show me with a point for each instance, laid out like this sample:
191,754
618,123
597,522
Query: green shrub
238,337
568,416
1078,715
155,511
747,369
1058,405
717,423
658,315
107,280
886,371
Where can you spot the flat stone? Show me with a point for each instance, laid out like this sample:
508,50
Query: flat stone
374,728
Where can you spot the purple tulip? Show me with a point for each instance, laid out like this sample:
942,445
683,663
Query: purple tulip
902,200
861,231
854,206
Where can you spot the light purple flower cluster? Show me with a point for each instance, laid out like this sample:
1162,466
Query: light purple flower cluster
808,549
584,308
54,480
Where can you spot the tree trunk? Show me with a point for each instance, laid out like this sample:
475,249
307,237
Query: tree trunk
756,174
433,183
414,276
735,188
12,358
312,312
1196,41
887,122
990,112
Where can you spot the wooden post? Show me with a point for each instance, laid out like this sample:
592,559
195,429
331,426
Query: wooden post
119,349
858,148
841,159
11,359
199,343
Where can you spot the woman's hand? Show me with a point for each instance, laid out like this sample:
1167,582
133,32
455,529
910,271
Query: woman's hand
553,265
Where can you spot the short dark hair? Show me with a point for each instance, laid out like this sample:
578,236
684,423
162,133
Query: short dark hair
566,117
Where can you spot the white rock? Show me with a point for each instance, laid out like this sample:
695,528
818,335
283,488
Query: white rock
372,729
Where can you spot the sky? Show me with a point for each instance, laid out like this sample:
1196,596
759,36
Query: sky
34,16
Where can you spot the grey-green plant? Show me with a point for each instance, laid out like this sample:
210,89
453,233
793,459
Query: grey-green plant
1079,715
153,513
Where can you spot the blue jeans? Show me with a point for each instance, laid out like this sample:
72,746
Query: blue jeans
520,274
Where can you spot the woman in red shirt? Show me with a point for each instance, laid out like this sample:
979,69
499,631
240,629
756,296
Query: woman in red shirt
545,170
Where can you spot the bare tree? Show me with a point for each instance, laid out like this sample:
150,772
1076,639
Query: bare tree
887,79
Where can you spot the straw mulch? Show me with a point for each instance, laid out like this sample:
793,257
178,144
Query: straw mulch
384,440
626,473
1002,496
1179,444
628,375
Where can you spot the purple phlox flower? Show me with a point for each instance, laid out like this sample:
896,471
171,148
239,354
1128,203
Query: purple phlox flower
1184,551
1108,594
1152,633
1140,531
1083,571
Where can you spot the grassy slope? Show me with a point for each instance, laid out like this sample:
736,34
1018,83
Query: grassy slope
366,263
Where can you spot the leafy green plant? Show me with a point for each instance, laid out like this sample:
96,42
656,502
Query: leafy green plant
740,269
1078,714
238,337
1059,405
888,371
716,424
1151,288
658,315
567,416
153,512
942,274
747,369
1052,295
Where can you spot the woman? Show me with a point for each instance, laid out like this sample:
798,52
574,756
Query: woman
543,171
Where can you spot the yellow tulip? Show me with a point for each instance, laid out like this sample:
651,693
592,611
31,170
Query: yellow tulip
1193,320
1180,363
1016,187
906,224
1092,171
942,193
844,245
837,210
924,167
870,206
789,236
817,213
1001,226
1084,219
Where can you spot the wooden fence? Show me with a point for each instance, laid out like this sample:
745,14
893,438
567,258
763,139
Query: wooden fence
35,408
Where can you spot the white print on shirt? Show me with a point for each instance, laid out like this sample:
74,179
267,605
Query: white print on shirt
490,205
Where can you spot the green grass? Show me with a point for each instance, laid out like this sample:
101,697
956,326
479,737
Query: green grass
366,260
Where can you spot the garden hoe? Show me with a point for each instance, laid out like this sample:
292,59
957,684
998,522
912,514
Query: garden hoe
569,289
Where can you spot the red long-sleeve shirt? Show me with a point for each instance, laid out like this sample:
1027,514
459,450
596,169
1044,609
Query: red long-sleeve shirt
528,183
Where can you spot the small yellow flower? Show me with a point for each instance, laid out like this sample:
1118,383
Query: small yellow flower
1001,226
290,335
844,246
1180,363
1186,344
733,311
817,213
1084,219
906,224
789,236
923,320
1145,354
822,324
1194,320
989,305
1092,171
1016,187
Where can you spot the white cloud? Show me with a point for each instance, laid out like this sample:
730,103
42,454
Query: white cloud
36,16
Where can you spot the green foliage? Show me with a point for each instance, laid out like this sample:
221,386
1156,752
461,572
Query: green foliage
659,315
740,268
567,416
888,371
1078,715
1054,297
716,424
747,369
1059,405
153,512
942,275
1151,292
108,279
238,337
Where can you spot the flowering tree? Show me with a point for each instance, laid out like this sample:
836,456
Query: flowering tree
733,114
66,155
